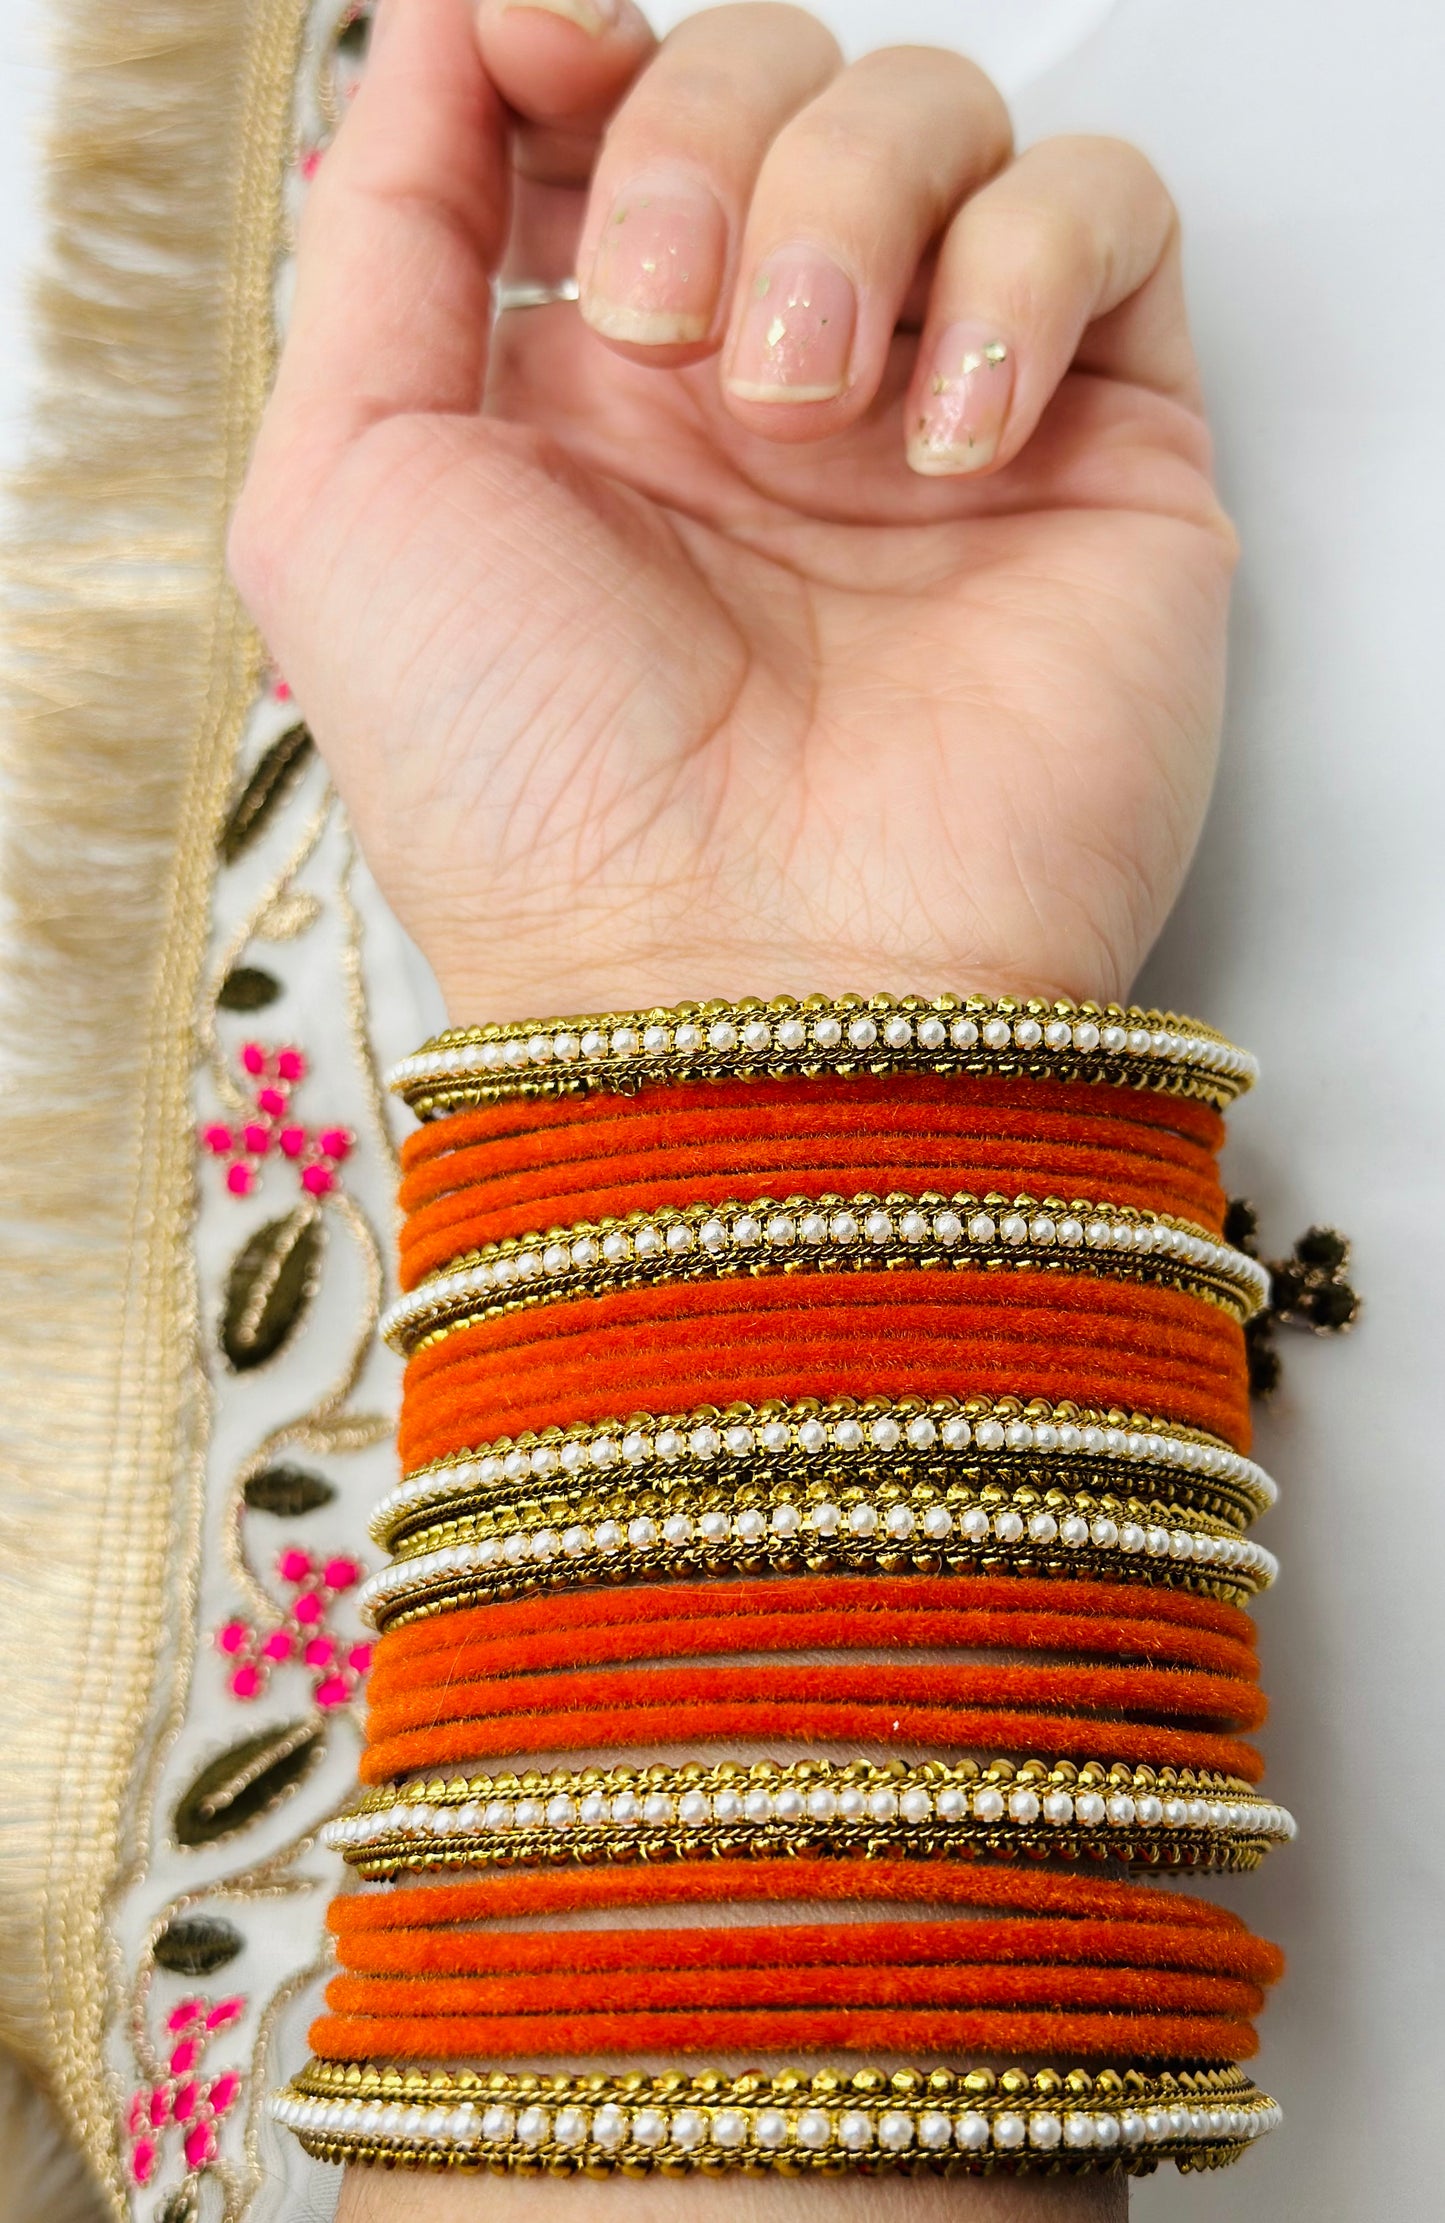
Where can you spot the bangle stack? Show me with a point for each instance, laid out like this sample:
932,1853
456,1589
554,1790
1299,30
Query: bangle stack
840,1473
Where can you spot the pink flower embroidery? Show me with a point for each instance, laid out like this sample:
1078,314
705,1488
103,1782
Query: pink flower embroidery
270,1130
302,1638
189,2104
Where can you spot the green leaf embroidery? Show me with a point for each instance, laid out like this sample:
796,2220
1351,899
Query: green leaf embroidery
195,1944
271,1284
247,988
288,1491
263,791
246,1780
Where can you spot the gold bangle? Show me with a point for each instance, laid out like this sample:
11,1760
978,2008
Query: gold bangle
790,2121
827,1234
792,1037
1148,1817
627,1531
835,1443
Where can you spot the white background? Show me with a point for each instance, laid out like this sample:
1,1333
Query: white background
1303,140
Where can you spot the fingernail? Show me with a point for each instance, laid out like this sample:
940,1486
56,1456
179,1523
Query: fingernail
657,267
796,334
595,16
963,398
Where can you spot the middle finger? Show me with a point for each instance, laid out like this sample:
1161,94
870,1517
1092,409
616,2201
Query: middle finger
677,168
851,195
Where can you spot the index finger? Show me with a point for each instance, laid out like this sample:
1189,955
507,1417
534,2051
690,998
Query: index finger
403,227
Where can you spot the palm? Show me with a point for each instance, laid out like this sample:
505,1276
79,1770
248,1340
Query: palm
685,688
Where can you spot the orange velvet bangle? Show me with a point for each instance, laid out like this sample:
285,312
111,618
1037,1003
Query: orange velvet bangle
1016,1939
878,1983
401,1654
653,1632
927,2032
891,1723
504,1894
1142,1348
1178,1694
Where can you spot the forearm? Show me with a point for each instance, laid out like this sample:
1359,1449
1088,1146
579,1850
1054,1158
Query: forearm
370,2197
746,707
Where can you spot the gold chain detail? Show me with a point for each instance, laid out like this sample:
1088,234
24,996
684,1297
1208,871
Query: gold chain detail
790,2120
792,1037
577,1540
855,1809
826,1234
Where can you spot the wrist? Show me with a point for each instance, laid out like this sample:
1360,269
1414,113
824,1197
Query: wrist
579,982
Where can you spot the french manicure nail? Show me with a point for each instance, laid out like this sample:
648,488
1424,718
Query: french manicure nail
966,388
796,334
595,16
657,267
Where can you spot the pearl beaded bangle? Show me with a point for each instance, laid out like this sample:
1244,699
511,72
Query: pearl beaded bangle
520,1548
836,1443
1144,1816
830,1233
1032,1037
909,2119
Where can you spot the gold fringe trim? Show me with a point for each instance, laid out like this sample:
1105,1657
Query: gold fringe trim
129,674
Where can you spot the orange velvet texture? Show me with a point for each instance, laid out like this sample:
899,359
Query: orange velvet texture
696,1719
503,1894
805,1615
860,1594
1047,1962
508,1170
1129,1344
1145,1966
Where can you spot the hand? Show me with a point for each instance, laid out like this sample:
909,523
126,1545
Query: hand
745,640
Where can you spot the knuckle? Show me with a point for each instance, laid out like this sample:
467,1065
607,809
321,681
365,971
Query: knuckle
957,85
1048,240
257,542
1124,165
694,103
840,143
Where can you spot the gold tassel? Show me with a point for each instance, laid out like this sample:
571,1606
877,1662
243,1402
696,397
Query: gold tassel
129,674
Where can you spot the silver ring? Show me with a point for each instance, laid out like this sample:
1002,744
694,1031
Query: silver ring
533,293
